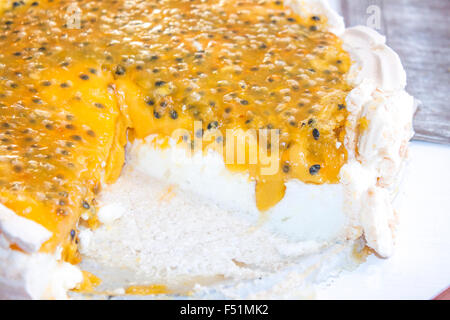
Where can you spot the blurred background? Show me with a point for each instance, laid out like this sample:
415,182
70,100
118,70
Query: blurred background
419,31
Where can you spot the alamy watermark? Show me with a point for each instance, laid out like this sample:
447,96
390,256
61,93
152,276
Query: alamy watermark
374,19
73,16
237,146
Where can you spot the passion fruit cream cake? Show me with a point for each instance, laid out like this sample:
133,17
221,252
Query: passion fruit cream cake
268,109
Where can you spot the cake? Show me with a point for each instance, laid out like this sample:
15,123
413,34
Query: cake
267,109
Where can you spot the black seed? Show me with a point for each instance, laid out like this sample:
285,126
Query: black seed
179,59
86,205
46,83
173,114
49,126
315,18
84,77
313,28
62,202
13,85
5,125
341,106
17,54
34,4
70,127
228,110
17,168
199,133
90,133
310,121
213,125
286,168
316,134
156,114
99,105
291,19
64,85
244,102
153,58
65,64
212,103
16,4
278,3
37,101
93,71
313,170
263,46
155,70
339,61
160,83
163,104
150,102
120,70
72,234
76,138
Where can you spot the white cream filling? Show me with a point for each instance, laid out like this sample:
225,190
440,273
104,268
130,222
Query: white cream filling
307,212
174,237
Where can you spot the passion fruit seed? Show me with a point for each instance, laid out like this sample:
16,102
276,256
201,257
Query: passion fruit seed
316,134
314,169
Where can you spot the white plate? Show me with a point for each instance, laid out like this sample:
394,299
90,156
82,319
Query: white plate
420,267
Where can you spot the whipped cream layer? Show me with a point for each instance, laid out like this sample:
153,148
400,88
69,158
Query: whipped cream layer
157,233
